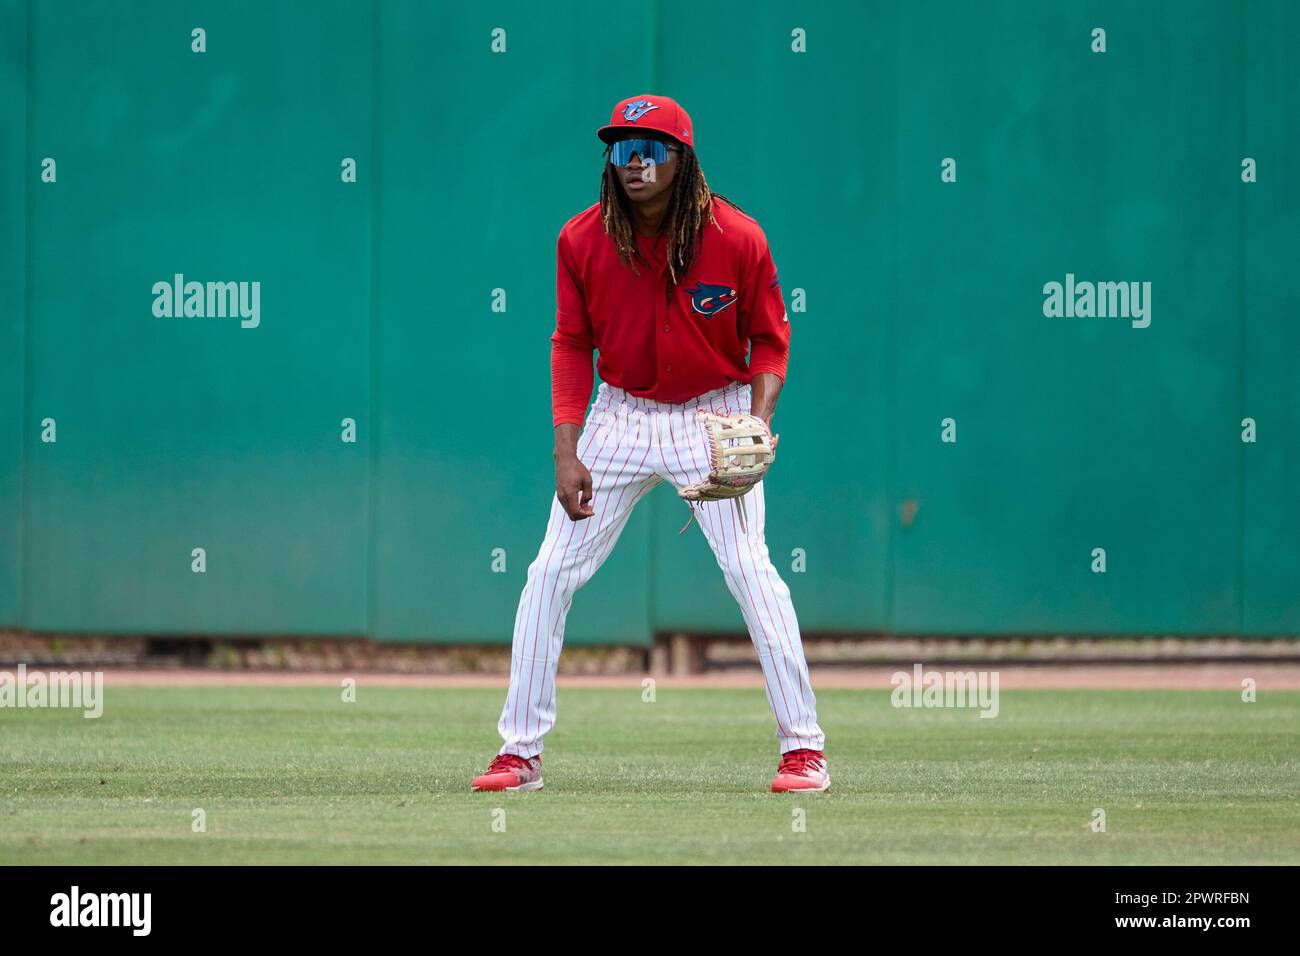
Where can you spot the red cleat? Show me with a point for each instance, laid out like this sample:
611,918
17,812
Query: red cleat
511,773
801,771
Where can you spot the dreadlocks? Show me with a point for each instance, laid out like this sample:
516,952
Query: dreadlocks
689,211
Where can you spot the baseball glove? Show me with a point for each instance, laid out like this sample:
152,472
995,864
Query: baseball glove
741,450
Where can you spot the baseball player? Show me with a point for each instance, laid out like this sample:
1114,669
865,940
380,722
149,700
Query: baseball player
672,284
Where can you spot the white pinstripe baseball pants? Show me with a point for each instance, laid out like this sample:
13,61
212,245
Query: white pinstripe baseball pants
630,445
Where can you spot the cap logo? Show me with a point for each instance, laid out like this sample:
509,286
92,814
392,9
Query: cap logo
637,109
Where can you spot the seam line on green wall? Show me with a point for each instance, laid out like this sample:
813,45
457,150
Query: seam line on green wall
25,448
371,568
1242,337
892,358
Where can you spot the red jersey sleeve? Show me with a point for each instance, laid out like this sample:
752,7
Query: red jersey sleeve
762,311
572,342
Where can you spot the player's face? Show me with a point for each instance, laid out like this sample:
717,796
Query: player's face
642,179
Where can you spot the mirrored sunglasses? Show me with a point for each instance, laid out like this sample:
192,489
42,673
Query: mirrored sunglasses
650,150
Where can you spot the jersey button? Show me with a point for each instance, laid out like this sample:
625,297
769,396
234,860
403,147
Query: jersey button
667,328
668,368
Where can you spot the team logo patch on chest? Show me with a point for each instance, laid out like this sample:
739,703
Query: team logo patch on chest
709,299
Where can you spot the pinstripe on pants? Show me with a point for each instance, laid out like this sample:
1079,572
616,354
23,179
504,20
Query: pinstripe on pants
630,445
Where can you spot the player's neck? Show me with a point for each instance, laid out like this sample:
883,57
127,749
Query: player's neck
648,217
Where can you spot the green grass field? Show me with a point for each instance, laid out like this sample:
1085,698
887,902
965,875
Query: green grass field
295,775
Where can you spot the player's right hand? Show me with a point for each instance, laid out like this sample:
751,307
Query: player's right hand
573,487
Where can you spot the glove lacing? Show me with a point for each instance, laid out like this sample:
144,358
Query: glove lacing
740,511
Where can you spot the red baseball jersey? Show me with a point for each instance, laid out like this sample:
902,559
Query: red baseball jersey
668,347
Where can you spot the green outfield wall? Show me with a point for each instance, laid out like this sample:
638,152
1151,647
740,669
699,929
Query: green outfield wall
360,442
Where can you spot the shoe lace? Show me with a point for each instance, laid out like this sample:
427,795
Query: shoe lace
799,761
507,762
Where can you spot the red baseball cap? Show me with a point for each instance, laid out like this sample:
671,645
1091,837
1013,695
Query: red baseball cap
649,112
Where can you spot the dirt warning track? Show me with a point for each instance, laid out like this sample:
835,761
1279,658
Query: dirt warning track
1224,676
